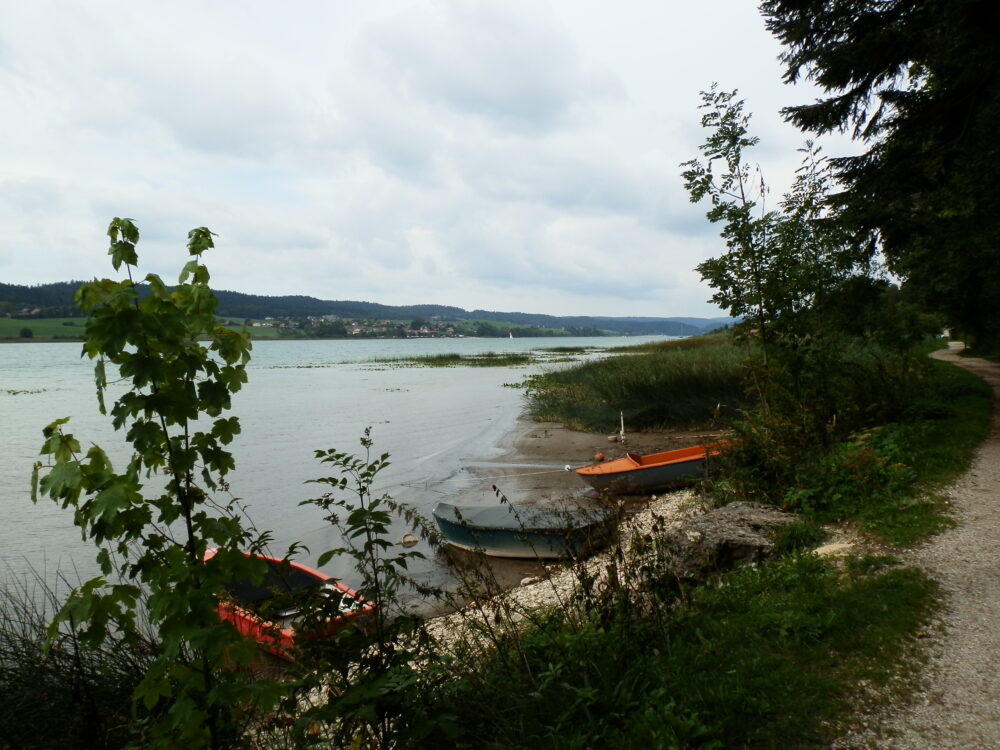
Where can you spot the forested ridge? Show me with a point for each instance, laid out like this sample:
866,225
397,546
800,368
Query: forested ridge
57,300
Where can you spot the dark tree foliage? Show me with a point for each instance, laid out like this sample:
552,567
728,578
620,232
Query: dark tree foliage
919,82
49,300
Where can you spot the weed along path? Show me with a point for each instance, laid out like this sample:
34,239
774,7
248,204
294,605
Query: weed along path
959,703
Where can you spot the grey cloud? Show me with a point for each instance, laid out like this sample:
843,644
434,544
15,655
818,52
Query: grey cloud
447,152
31,196
393,139
569,183
230,108
485,62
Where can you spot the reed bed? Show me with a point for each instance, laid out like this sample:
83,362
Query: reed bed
454,359
652,387
695,342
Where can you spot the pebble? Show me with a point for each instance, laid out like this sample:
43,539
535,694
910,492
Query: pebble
560,582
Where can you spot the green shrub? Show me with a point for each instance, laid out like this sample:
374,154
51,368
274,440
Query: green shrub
766,658
798,536
879,476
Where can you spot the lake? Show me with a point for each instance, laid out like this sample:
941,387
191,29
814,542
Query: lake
302,395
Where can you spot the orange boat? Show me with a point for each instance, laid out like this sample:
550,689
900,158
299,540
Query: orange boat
268,612
635,473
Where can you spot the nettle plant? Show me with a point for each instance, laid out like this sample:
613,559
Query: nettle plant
153,519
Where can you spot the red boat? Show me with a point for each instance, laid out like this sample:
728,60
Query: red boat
268,612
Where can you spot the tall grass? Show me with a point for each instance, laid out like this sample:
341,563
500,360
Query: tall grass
882,477
60,694
675,386
696,342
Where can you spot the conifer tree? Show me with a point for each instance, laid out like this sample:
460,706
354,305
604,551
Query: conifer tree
919,82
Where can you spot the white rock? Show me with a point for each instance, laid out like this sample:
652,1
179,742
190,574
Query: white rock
840,549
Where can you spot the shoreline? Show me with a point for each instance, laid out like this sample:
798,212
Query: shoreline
551,446
529,465
530,470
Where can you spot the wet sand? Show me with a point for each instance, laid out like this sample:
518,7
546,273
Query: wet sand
532,467
531,471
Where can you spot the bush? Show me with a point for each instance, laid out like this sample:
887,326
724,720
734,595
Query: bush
798,536
766,658
877,475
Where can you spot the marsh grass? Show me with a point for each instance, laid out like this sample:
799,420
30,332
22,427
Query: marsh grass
680,385
708,340
453,359
569,349
58,693
767,657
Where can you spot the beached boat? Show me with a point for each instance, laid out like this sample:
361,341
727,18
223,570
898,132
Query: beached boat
268,612
635,473
506,531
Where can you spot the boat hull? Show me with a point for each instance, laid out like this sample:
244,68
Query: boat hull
266,613
634,473
503,531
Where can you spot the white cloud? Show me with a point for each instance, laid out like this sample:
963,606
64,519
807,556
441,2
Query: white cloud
482,153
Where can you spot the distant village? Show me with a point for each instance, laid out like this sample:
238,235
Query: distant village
333,326
41,324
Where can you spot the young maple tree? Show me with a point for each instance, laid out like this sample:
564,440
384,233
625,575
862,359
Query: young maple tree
157,515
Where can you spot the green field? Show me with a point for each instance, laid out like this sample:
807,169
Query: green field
71,329
42,329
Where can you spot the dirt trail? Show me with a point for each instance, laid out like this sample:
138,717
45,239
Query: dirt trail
959,706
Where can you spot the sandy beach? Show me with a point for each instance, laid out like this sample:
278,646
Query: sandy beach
536,455
531,471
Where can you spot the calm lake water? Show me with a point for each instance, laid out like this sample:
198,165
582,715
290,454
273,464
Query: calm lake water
303,395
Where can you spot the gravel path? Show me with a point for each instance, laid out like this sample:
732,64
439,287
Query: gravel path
959,705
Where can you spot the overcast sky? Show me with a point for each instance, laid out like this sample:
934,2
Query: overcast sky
488,154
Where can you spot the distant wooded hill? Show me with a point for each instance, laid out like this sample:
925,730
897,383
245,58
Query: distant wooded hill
57,300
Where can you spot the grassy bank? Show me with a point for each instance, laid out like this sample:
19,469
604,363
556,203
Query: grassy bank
685,383
887,478
62,694
768,657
